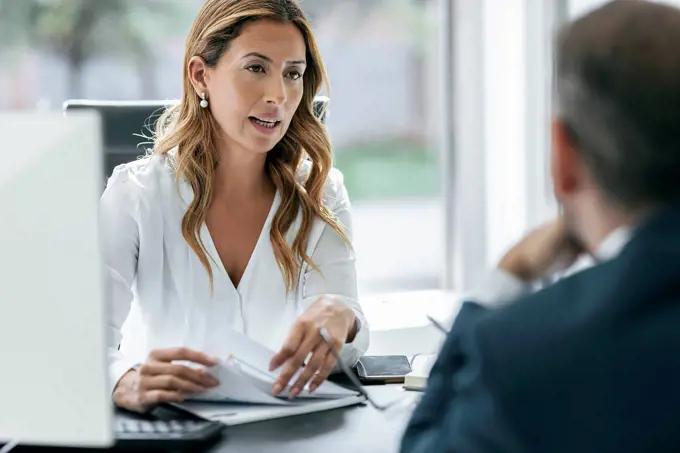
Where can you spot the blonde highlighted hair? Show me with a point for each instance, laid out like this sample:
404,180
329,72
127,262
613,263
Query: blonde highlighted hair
190,131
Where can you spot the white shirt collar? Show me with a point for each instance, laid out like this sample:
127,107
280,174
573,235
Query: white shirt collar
613,244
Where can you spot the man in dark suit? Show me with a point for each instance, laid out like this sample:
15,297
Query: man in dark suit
592,362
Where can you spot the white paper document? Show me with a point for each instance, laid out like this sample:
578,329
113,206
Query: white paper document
238,414
245,379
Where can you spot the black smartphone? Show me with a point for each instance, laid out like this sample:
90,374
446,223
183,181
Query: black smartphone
386,369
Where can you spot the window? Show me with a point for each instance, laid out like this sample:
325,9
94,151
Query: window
502,61
382,58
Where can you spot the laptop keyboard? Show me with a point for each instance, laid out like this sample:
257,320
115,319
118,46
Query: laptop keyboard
148,432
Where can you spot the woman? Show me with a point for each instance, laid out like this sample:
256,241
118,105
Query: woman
227,225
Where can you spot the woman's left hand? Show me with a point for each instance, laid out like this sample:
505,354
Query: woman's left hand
305,338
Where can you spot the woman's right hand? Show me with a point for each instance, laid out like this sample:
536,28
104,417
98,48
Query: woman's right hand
161,381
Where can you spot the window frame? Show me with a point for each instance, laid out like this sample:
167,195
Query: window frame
476,104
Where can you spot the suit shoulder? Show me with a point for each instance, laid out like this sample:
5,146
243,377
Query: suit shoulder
546,328
558,308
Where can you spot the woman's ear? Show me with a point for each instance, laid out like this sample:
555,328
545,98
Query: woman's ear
197,74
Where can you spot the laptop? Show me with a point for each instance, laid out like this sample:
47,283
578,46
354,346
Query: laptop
53,315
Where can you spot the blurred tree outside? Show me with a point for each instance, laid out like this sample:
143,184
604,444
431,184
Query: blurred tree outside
79,30
406,164
388,170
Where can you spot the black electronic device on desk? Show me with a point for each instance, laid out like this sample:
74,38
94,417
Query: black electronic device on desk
383,369
165,429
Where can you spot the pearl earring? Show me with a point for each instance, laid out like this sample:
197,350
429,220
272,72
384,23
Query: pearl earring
204,102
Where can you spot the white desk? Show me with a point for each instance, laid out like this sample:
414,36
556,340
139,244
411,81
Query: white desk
399,323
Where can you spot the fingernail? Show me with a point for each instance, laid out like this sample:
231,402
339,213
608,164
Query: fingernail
277,388
312,387
295,392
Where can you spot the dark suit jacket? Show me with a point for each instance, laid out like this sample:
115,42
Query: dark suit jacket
589,364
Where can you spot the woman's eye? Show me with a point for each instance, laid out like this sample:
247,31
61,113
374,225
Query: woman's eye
256,68
295,75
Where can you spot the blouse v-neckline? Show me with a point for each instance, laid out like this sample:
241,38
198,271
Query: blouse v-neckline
215,256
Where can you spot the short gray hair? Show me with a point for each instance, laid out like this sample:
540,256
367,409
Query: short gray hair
617,87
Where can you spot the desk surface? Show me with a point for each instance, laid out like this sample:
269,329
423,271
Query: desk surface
354,429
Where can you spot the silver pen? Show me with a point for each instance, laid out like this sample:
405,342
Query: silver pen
438,325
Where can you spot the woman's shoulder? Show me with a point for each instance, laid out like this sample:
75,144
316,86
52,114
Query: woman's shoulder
334,191
141,176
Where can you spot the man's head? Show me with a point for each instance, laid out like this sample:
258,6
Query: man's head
616,138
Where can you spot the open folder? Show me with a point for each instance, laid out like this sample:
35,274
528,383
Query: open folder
245,391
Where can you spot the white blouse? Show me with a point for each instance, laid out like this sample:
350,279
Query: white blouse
150,266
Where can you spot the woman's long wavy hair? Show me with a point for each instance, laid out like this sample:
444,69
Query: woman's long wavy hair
190,132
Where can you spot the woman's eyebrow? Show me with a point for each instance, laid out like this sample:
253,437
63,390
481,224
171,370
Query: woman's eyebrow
269,60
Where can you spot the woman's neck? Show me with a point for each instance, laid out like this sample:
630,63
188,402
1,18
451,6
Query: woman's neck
242,174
